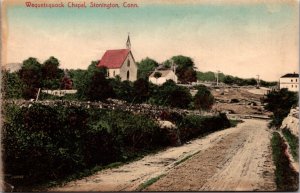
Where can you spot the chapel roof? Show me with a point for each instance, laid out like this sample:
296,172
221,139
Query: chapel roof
114,58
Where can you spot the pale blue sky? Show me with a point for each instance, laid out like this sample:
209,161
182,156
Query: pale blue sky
240,39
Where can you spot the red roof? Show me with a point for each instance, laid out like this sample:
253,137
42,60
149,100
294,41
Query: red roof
114,58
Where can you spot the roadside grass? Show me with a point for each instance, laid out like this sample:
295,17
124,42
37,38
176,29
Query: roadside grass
293,142
184,159
234,123
286,178
149,182
88,172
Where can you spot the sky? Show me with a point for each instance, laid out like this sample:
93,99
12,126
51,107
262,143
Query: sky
238,37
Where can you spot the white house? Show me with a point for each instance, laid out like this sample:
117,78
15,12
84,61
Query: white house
164,76
290,81
120,63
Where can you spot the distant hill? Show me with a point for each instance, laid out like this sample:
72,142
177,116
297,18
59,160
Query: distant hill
228,79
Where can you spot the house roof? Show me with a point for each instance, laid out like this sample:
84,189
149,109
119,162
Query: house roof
163,73
114,58
294,75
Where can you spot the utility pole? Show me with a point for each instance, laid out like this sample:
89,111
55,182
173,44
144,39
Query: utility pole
173,67
217,76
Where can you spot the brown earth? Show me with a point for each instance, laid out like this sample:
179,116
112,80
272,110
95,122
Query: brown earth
244,96
240,161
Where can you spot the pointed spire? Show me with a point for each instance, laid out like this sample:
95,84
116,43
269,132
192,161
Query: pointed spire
128,44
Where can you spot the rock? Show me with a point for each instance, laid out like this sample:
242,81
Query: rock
291,122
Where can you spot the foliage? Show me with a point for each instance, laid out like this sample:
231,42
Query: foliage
50,69
122,90
280,103
170,94
192,126
185,69
31,76
209,76
234,123
45,143
82,79
11,85
141,90
203,100
64,140
145,67
286,178
228,79
293,142
99,88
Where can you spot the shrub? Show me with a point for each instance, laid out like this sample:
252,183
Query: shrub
203,99
45,143
192,125
169,94
280,103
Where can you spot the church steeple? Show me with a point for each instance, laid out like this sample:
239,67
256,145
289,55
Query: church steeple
128,44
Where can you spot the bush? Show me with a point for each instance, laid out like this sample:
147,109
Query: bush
169,94
203,100
280,103
192,125
45,143
48,143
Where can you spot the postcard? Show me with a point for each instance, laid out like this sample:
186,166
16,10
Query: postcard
149,95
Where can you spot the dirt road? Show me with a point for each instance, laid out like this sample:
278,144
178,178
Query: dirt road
233,159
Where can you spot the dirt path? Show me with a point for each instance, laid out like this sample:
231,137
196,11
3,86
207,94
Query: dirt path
241,161
233,159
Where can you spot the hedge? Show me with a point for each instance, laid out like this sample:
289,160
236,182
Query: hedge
45,143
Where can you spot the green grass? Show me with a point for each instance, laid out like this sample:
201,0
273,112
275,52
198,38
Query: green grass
293,142
184,159
234,123
286,178
149,182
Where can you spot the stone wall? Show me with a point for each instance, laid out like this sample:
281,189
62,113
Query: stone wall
147,109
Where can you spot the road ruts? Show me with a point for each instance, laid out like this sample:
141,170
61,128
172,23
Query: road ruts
240,161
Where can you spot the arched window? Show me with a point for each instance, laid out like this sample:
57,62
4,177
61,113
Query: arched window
128,63
128,75
114,73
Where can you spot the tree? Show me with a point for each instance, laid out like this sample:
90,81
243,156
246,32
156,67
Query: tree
228,80
99,88
203,100
280,103
31,76
141,90
145,67
170,94
50,69
122,90
51,74
185,69
12,85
